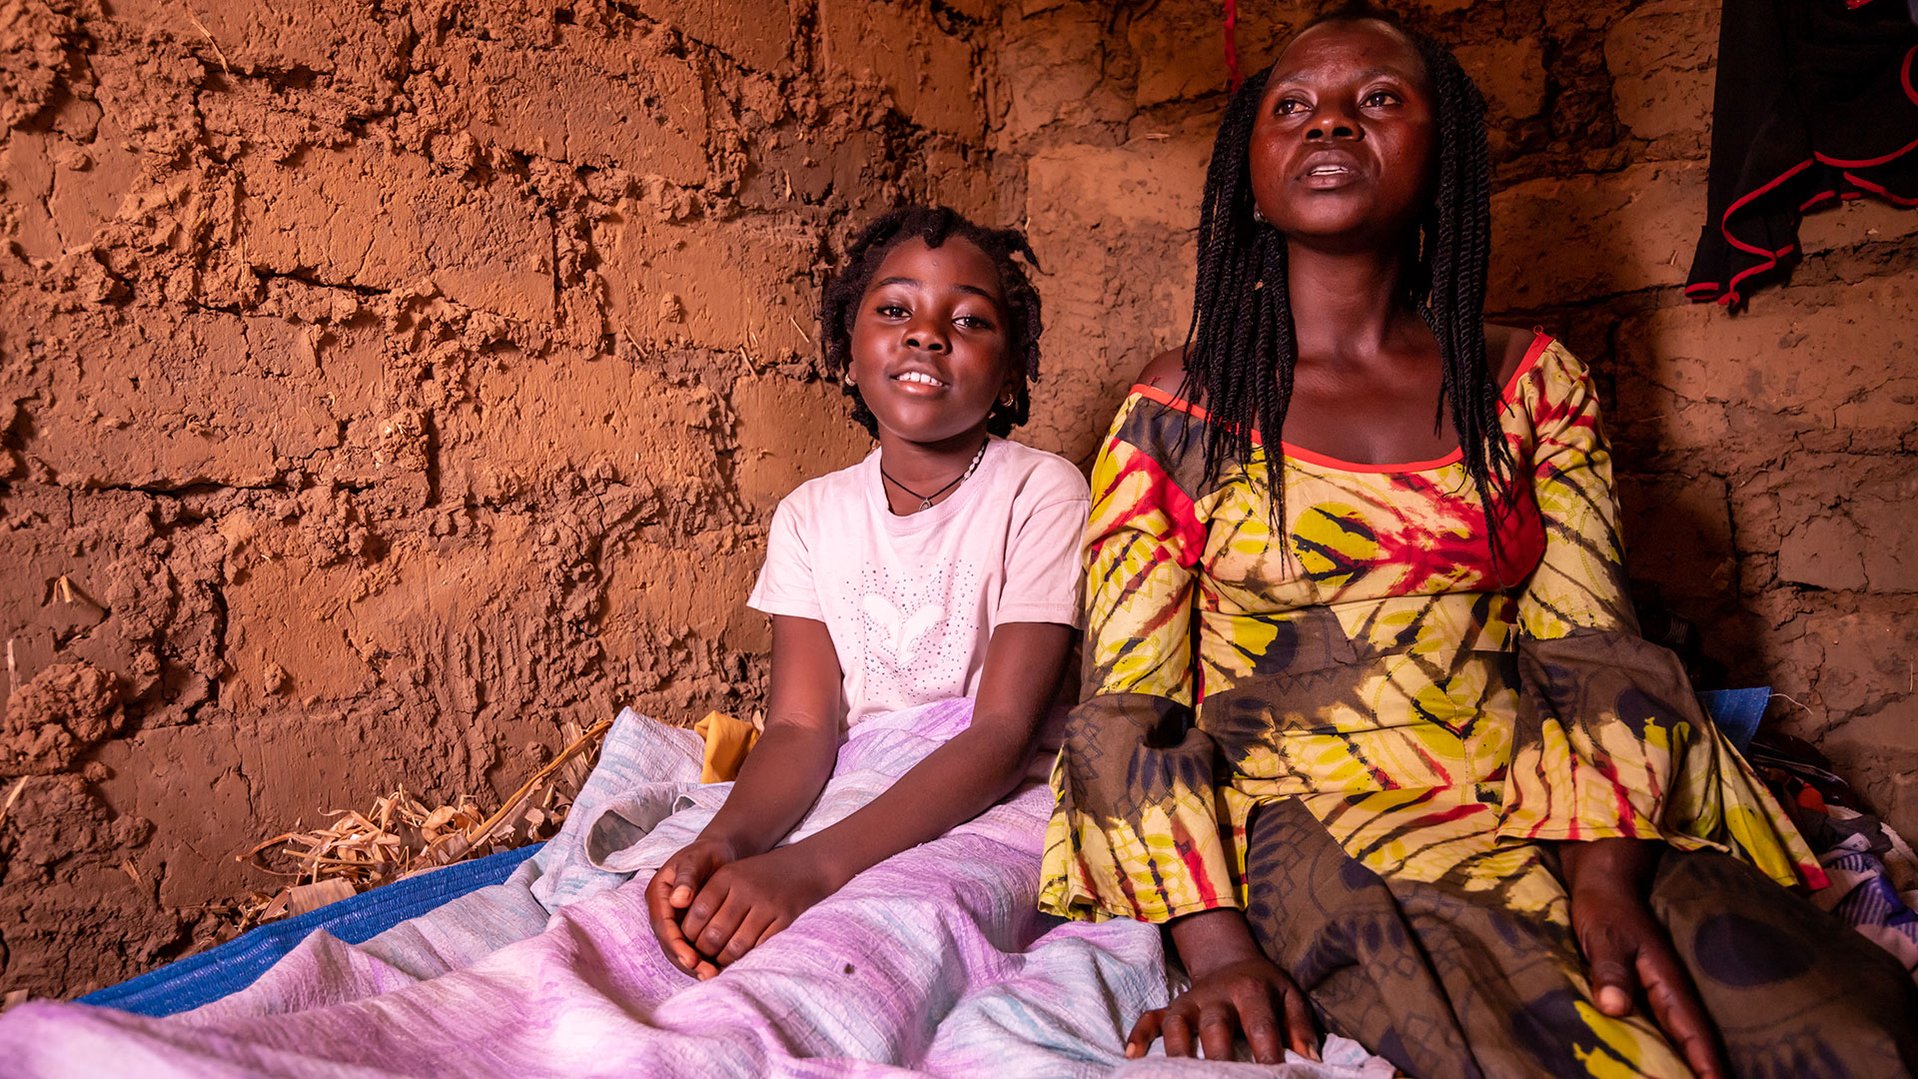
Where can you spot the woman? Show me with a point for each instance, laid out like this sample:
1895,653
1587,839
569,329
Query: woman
1439,790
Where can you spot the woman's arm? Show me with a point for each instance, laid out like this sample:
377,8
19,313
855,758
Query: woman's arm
780,780
1607,882
1599,766
1140,830
1234,986
753,899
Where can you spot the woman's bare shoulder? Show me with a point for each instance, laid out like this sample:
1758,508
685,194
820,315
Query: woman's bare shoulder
1506,347
1166,371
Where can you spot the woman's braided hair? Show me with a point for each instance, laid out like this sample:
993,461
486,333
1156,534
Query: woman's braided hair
1240,349
935,225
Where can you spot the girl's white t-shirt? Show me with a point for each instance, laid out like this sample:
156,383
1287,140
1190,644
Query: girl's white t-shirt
912,601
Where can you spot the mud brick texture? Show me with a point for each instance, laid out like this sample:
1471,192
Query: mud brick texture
383,386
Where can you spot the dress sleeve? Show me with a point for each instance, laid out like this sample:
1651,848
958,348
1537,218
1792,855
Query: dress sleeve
1138,830
1610,740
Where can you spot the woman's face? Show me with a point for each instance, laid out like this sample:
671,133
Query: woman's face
929,340
1343,145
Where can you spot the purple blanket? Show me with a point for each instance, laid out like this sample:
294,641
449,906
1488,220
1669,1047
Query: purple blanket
934,962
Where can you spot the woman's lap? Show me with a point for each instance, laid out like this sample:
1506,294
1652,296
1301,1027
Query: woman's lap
1794,990
1458,976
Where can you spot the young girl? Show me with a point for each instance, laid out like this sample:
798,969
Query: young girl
940,574
946,564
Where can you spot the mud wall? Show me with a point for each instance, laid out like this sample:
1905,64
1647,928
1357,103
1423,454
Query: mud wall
379,392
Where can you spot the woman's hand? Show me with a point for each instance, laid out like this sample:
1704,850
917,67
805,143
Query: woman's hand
673,889
1250,995
744,902
1234,988
1626,948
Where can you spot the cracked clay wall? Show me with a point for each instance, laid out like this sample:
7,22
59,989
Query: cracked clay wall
380,391
384,385
1766,459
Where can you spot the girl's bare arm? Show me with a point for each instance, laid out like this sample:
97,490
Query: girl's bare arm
964,777
792,760
780,780
750,900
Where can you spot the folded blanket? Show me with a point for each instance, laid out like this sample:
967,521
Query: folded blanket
933,962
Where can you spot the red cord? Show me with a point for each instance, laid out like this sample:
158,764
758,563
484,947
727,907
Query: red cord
1233,76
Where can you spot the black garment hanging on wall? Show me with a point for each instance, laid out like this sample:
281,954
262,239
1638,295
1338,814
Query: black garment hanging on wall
1816,102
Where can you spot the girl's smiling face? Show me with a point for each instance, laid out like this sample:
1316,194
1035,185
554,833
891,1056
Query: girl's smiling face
1343,146
929,342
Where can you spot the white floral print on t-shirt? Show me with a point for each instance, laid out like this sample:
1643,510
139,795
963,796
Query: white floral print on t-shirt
913,636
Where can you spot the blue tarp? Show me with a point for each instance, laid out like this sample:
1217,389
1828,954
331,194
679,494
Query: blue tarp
1737,712
231,967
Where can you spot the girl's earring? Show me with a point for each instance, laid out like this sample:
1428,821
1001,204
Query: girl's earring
1257,215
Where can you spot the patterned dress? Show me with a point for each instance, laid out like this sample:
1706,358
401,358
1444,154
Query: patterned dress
1358,727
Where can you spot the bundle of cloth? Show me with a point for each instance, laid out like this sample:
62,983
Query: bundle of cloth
933,962
1872,870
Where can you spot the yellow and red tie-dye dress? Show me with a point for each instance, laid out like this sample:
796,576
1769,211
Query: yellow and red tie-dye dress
1434,711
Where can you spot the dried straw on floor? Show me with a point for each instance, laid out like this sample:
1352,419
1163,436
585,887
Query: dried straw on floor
399,835
12,797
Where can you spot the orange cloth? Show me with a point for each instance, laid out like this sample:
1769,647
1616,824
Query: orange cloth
727,742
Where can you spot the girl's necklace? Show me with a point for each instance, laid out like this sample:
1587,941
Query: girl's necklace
925,501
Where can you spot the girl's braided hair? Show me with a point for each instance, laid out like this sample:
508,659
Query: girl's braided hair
1240,350
935,225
